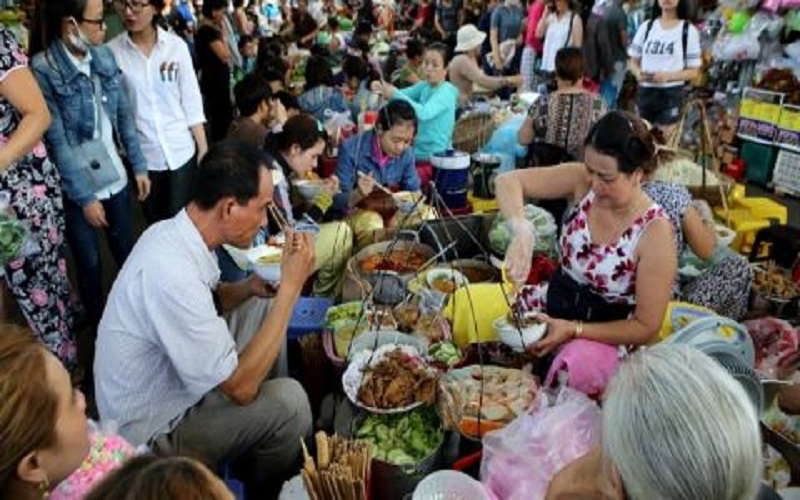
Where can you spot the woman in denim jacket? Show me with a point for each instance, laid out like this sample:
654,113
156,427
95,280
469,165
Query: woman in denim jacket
69,69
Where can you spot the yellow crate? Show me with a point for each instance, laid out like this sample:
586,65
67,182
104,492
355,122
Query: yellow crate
482,205
764,208
745,224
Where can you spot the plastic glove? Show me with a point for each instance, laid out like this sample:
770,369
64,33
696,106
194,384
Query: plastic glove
520,251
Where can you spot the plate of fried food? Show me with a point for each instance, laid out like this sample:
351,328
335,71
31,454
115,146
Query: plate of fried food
479,399
391,379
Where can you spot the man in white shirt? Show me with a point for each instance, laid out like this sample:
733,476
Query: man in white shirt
183,360
164,93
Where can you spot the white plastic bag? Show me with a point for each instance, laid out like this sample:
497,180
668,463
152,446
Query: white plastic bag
520,460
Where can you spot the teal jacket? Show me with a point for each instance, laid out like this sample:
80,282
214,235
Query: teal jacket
436,114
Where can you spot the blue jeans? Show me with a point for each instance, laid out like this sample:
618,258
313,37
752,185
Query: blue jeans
85,245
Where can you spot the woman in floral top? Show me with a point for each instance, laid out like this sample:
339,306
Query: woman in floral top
618,259
564,118
39,281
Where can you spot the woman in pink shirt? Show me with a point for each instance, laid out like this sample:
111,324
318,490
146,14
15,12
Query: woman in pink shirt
533,46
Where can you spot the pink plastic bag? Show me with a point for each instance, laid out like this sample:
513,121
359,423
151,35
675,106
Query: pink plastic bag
589,366
520,460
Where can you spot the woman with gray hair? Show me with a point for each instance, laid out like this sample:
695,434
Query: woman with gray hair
676,425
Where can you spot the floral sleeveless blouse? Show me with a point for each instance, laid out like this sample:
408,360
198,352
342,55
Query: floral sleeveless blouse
608,269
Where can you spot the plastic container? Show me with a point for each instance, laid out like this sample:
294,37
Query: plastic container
449,485
764,208
451,176
745,224
393,482
759,160
787,173
308,316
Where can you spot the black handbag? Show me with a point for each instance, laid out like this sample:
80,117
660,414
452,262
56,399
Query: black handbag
93,154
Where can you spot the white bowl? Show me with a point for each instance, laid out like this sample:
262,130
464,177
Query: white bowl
267,271
510,335
725,235
405,201
449,485
451,275
309,188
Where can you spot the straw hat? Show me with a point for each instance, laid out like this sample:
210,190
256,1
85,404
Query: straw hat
469,37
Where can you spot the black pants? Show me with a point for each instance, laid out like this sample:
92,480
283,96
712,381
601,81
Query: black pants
169,192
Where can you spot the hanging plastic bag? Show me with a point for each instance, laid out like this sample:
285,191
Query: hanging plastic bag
15,237
520,460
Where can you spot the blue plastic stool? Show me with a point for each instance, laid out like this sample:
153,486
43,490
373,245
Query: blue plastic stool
233,484
308,316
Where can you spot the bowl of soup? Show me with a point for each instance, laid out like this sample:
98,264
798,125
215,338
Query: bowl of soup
309,189
446,281
265,260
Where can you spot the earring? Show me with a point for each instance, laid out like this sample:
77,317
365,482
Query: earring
44,488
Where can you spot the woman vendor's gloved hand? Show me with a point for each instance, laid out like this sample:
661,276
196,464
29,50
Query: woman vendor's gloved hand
520,251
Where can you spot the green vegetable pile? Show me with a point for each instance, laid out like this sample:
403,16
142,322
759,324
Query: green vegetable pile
446,353
404,439
12,236
543,223
344,313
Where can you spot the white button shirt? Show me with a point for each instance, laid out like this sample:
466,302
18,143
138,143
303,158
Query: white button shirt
161,347
165,96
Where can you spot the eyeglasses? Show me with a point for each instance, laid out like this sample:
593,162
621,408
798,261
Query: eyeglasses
100,23
136,7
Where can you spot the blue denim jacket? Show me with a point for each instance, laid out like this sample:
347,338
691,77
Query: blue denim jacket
356,154
70,99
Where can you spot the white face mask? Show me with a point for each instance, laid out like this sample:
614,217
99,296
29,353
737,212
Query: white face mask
513,3
78,41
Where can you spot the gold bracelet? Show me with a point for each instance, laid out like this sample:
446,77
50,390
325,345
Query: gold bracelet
578,329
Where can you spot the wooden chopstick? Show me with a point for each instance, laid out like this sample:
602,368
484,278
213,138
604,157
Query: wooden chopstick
275,212
377,184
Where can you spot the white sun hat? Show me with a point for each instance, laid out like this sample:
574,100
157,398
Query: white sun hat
469,37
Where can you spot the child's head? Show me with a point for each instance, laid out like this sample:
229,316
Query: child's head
252,96
333,24
248,47
355,70
289,102
149,477
414,51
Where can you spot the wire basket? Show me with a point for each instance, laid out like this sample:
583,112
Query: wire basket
472,132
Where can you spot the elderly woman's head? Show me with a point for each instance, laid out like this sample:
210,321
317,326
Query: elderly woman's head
43,426
676,424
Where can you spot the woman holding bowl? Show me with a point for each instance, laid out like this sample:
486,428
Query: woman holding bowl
618,259
304,197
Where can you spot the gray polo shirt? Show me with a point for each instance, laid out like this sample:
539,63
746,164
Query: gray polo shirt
161,346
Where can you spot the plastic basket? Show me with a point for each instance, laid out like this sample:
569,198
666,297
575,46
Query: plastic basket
308,316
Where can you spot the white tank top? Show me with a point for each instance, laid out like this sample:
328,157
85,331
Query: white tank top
556,39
